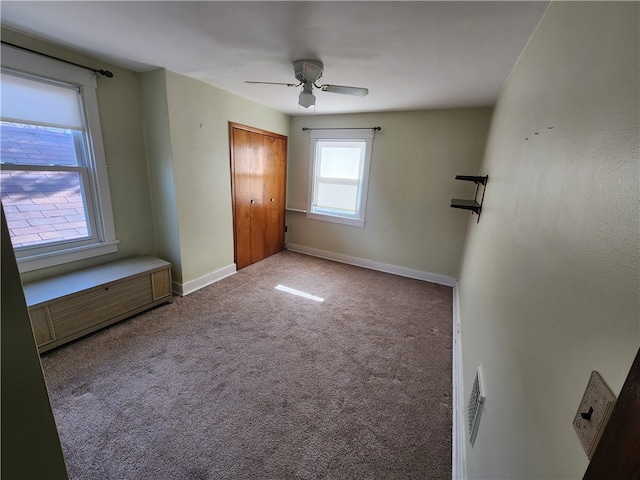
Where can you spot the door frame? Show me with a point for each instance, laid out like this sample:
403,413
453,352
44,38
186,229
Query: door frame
616,454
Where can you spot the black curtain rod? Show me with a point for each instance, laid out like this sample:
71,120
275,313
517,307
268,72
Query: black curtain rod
306,129
105,73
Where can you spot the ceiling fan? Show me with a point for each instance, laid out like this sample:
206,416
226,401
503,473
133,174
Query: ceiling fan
308,72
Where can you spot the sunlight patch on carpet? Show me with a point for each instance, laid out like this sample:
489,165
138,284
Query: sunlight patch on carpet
299,293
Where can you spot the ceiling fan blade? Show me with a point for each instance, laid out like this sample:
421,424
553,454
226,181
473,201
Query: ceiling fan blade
275,83
356,91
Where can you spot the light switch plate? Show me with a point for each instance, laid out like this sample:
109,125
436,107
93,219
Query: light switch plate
593,413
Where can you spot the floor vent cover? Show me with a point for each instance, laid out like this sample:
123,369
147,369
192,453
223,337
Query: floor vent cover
474,407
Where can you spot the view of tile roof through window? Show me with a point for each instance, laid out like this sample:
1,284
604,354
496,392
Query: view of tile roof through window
40,206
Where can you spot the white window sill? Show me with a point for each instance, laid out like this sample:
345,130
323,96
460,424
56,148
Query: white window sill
44,260
354,222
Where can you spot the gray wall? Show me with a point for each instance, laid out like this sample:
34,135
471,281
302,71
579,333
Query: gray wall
549,283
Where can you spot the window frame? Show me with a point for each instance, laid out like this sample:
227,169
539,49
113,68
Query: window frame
103,239
339,136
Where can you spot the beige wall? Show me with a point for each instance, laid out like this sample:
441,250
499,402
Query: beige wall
30,445
549,282
178,205
157,136
198,117
120,108
409,222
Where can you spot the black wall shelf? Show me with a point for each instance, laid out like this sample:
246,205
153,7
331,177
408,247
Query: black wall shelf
473,178
472,205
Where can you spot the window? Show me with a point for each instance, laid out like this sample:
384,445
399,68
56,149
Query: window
53,180
339,175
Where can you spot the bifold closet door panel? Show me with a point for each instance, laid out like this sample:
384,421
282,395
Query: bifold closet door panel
275,182
242,196
259,175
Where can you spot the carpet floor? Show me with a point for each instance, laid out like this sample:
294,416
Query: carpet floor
243,380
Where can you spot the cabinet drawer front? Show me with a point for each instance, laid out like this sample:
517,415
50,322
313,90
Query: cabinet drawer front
76,313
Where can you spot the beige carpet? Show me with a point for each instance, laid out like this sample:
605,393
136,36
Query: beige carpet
241,380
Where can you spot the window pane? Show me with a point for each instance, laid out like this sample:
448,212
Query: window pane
342,160
34,145
38,102
339,166
43,207
338,197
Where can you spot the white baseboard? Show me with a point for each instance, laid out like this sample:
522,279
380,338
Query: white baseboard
458,445
191,286
381,267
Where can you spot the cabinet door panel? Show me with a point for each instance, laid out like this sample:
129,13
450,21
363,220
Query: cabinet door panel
41,325
161,281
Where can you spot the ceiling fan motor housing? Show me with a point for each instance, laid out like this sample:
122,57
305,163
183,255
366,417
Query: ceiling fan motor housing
308,70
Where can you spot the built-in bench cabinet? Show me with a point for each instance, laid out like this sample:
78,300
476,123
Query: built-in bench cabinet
69,306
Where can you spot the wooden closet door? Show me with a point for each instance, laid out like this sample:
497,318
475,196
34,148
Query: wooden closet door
258,168
276,175
241,191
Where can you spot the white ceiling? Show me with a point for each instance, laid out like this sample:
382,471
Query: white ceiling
411,55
